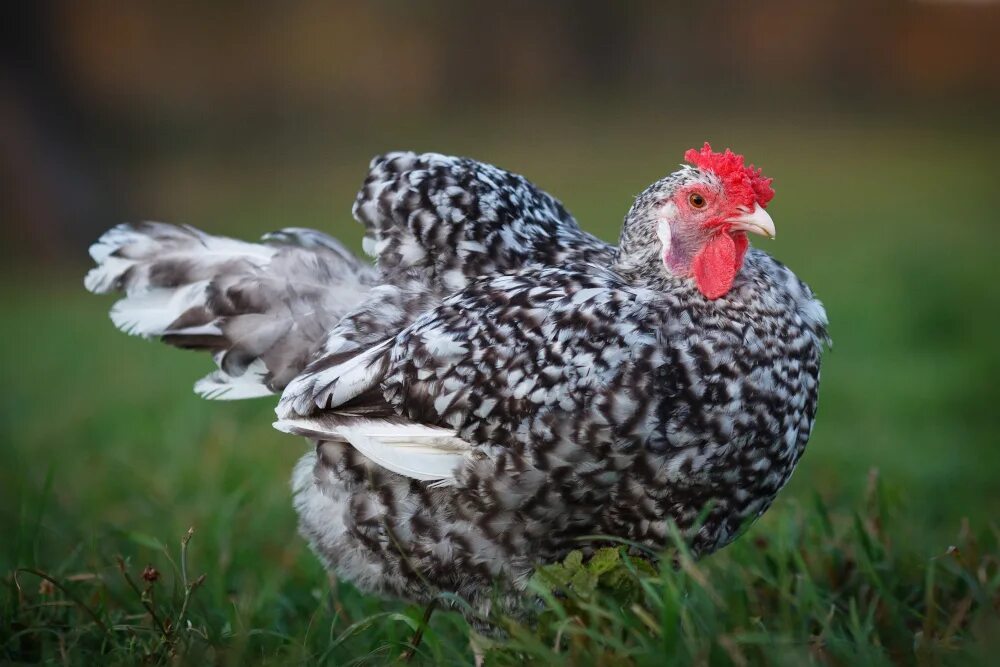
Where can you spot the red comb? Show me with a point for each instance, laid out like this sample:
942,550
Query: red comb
744,184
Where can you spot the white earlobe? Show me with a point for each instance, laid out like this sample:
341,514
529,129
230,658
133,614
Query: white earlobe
666,214
663,233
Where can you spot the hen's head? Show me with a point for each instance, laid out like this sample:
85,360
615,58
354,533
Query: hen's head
696,219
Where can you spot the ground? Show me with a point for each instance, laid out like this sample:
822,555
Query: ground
107,453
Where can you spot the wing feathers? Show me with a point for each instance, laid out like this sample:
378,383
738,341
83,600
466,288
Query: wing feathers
331,386
414,450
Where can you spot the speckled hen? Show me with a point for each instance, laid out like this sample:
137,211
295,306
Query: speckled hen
501,383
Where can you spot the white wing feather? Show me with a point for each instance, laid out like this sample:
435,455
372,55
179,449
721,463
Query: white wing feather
414,450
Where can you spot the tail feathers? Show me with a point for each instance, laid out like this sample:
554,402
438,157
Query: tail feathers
261,309
310,238
135,258
221,386
155,311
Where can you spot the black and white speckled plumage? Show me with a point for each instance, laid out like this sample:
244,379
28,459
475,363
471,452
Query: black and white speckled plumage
534,385
442,221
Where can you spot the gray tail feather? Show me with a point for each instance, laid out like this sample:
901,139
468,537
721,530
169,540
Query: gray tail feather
261,309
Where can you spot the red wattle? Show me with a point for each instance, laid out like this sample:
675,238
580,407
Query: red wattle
716,265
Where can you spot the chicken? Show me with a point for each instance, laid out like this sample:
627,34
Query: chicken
502,384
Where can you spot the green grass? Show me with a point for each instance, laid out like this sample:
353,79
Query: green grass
106,453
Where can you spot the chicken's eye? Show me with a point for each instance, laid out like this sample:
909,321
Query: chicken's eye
696,200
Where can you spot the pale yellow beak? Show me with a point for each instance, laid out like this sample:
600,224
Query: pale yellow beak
753,222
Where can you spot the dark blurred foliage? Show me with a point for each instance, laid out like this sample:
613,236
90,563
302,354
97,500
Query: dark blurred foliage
101,102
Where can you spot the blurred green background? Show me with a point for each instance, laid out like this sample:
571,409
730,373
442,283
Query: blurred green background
877,121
